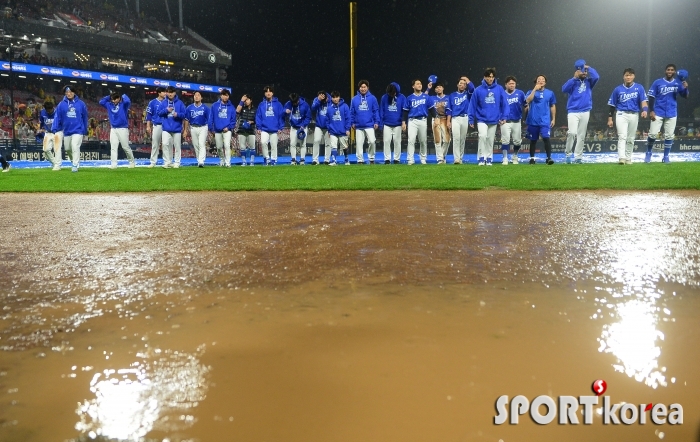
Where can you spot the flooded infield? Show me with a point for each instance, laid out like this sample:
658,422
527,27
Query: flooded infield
327,316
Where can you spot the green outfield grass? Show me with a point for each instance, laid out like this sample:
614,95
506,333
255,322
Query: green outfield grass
640,176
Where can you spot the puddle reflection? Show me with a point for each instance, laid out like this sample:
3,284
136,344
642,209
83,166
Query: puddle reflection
158,392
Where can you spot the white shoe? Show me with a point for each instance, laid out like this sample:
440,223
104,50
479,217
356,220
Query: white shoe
132,164
482,163
505,160
113,166
151,165
7,169
56,167
515,159
166,165
176,165
423,162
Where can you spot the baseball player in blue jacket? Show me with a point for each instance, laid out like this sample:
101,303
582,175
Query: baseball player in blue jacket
197,123
319,108
269,120
222,120
50,143
71,120
118,106
457,121
390,112
625,103
364,116
663,109
487,108
154,124
512,128
338,126
541,117
415,114
578,106
299,113
172,111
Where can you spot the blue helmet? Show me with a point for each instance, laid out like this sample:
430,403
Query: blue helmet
301,134
683,75
432,79
580,64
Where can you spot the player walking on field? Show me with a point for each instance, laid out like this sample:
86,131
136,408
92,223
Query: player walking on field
415,113
338,126
319,108
299,113
118,106
172,112
196,122
512,128
154,124
246,129
541,114
52,142
663,108
269,120
390,111
457,120
364,115
625,103
487,108
222,120
578,106
71,120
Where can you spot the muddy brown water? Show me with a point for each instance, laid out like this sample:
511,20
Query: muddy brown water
352,316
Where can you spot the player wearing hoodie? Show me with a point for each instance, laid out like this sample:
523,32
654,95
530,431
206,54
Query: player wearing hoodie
222,120
578,106
338,126
364,115
71,120
51,143
390,110
269,120
118,106
487,108
320,108
299,114
172,111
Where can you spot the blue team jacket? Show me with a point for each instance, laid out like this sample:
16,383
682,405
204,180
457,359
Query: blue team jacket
222,116
301,113
488,104
390,110
338,118
364,111
71,117
119,114
270,116
172,123
321,110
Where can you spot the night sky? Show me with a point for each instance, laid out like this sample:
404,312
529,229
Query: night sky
304,44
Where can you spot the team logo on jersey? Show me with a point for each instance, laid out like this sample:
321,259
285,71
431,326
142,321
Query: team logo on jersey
197,113
460,100
668,90
223,112
490,98
115,108
416,103
71,112
336,115
582,87
513,100
48,122
626,97
363,106
323,110
269,112
393,107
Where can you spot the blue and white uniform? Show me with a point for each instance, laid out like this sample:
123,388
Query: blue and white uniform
269,119
119,132
663,96
156,128
418,107
339,124
578,108
197,116
390,110
628,102
364,115
539,116
222,120
441,136
512,128
299,119
51,141
487,107
173,114
71,119
456,110
320,110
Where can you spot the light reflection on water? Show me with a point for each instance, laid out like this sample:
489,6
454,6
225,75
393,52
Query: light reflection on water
155,393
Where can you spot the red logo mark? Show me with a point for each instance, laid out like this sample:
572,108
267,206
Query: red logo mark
599,387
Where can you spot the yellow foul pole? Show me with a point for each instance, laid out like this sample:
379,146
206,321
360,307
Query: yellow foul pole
353,45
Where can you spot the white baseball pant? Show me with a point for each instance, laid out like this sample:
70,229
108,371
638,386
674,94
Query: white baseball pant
52,147
460,127
172,142
72,143
321,134
626,123
117,136
669,125
578,125
487,134
511,130
156,138
417,127
395,134
223,146
199,142
360,141
271,138
294,141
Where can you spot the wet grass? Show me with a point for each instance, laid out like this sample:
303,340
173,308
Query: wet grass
640,176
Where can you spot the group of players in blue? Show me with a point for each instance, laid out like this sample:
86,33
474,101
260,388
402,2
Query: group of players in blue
484,107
